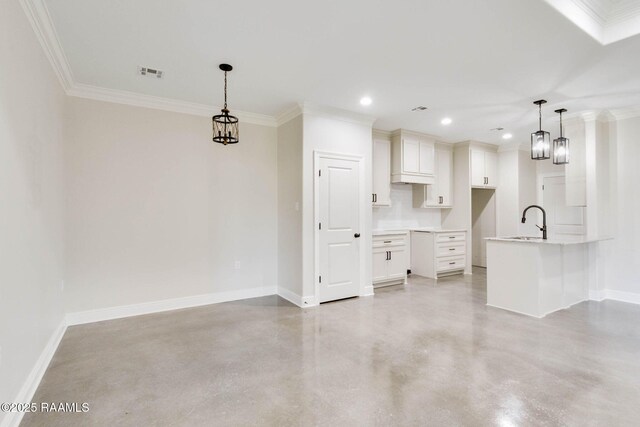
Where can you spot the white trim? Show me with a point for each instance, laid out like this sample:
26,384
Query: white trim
625,113
595,295
90,316
159,103
292,297
40,20
32,382
317,155
288,114
630,297
337,114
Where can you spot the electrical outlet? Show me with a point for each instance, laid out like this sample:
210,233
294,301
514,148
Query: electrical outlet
237,265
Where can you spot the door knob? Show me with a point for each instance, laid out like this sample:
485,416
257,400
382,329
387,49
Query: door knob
356,235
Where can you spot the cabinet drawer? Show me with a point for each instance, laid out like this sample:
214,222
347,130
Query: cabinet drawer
450,237
450,248
450,263
389,240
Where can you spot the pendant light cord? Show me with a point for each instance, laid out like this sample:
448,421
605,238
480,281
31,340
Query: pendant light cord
540,115
561,124
225,90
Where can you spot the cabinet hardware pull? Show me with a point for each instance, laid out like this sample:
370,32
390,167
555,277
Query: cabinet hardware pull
451,263
452,237
375,197
389,255
387,241
452,249
356,235
440,198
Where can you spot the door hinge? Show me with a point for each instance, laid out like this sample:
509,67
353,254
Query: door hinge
319,279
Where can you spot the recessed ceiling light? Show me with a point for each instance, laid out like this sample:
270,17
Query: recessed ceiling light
365,101
507,136
446,121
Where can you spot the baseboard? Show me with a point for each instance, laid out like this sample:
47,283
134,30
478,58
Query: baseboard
600,295
290,296
90,316
630,297
293,298
32,382
368,291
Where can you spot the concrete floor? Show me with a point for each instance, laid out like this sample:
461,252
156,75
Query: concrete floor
422,354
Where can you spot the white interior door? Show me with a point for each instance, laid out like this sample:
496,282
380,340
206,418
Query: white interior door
561,219
339,229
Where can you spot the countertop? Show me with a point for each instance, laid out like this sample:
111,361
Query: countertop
552,240
384,232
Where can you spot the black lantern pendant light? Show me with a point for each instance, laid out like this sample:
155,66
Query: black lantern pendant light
225,126
561,145
540,140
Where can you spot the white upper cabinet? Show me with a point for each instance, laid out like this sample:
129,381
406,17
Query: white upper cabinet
381,172
439,194
484,168
412,158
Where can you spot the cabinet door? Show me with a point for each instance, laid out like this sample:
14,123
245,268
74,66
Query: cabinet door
491,168
477,168
427,157
444,177
410,155
382,172
380,267
397,265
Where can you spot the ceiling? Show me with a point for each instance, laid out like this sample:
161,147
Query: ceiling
480,62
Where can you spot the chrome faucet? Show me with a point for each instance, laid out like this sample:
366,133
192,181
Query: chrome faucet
544,220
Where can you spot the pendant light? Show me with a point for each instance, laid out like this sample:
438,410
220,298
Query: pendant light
561,145
540,140
225,126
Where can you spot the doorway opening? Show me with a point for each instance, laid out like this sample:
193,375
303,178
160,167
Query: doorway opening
483,221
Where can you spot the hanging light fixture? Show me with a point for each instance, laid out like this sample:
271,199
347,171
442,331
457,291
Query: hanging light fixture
540,140
225,126
561,145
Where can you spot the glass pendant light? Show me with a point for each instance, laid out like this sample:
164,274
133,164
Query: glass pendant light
540,140
561,145
225,126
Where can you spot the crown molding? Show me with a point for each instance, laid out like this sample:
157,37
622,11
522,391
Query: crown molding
625,113
606,21
381,134
288,114
159,103
40,20
336,113
513,146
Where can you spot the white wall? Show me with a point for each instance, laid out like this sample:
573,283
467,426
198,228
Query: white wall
402,214
623,253
331,133
157,211
32,106
290,208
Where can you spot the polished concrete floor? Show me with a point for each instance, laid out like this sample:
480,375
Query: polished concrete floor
422,354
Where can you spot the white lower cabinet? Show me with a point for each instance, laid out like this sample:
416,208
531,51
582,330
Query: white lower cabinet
438,253
390,258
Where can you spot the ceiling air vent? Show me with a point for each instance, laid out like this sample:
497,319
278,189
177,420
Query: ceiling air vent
150,72
419,108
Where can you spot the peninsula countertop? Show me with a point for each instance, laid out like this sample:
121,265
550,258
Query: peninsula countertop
560,240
